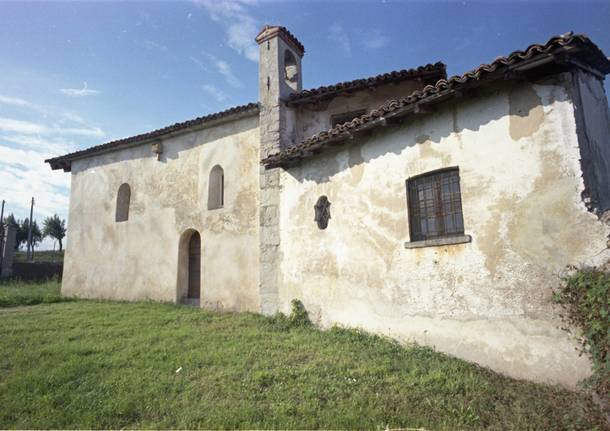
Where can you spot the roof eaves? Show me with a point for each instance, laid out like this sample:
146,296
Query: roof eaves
65,162
559,49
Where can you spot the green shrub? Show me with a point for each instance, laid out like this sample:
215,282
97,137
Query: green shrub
585,299
298,318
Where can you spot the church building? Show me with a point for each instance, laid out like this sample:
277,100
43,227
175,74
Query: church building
429,209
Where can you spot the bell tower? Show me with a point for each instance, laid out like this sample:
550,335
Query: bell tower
279,76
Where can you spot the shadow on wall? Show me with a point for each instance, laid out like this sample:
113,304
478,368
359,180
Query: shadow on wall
175,145
526,110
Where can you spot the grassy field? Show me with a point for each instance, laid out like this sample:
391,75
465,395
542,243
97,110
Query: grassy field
93,364
13,293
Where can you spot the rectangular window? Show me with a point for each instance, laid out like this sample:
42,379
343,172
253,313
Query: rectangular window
345,117
435,205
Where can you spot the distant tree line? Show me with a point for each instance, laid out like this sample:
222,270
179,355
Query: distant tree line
53,227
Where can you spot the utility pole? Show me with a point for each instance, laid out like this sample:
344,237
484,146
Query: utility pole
1,236
30,252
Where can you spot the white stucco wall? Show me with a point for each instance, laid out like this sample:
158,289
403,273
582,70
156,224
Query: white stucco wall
487,301
138,259
312,119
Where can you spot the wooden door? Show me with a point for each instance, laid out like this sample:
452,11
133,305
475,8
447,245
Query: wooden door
194,290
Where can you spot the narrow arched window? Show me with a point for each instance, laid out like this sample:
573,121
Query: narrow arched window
122,203
216,188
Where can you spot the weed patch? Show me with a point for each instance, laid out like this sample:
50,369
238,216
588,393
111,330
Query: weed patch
585,299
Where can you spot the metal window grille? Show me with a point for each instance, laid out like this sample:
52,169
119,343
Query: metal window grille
435,205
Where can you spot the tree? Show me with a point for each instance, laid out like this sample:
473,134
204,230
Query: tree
36,232
22,233
11,220
55,228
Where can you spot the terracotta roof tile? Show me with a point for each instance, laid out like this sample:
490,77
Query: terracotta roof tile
559,50
429,72
269,31
64,162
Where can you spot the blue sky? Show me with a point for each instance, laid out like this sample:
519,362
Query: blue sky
76,74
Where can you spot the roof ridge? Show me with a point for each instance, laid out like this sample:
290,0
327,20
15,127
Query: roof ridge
443,85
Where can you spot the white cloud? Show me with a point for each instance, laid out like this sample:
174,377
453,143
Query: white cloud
51,146
11,125
29,128
151,45
94,132
225,70
241,26
24,174
339,36
199,63
15,101
215,92
375,39
79,92
41,109
26,140
25,104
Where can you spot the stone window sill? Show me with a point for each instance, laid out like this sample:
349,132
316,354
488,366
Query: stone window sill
450,240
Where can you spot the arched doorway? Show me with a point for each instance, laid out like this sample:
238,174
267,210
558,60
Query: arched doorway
190,273
194,267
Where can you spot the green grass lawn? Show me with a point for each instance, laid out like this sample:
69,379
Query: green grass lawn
94,364
13,293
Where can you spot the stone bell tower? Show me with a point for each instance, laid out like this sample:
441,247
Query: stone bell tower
279,75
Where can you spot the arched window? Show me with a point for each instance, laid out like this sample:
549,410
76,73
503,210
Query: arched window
216,188
122,202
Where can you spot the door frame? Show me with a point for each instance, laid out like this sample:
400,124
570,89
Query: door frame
183,266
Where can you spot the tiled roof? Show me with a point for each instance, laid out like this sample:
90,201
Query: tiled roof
560,51
428,73
64,162
269,31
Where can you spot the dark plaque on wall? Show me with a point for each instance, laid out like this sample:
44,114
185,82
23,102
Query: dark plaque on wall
322,209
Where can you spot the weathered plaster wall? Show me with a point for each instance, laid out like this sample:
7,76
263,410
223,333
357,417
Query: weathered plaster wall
487,301
312,119
138,258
